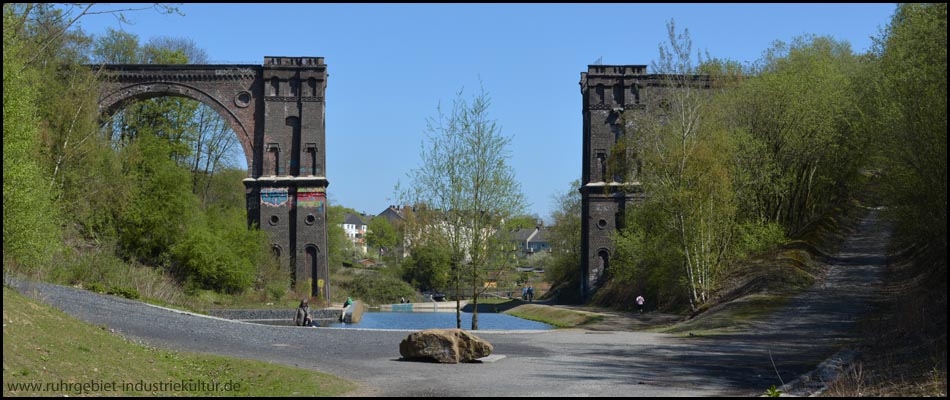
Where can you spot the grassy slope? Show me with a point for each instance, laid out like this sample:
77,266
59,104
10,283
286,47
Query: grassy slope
764,283
558,317
44,345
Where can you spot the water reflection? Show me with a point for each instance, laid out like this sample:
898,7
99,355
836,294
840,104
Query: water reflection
430,320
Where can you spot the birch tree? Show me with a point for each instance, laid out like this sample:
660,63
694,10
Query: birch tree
685,167
469,190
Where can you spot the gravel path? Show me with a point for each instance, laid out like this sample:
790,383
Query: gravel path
570,362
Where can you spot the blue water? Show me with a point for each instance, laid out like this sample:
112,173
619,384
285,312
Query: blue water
429,320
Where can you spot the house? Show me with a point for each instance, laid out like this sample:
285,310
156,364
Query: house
394,215
423,224
530,241
355,230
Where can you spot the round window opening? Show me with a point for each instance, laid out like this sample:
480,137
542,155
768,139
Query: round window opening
602,224
310,219
274,219
243,99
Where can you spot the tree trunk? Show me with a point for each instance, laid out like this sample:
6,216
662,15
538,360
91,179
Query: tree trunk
458,306
474,304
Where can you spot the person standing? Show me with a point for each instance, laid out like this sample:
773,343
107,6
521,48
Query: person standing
640,302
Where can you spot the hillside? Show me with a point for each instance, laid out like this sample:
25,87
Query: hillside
48,353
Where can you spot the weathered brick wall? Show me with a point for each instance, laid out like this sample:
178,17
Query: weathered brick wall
278,112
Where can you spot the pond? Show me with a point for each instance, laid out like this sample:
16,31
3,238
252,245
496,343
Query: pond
430,320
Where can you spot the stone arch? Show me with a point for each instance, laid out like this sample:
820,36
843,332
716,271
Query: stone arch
274,87
312,86
312,253
127,94
256,103
601,265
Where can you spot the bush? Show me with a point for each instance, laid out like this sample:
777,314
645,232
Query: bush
427,268
756,237
209,262
128,293
375,288
96,287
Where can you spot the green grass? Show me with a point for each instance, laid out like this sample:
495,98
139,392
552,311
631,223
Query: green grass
558,317
731,317
493,300
44,346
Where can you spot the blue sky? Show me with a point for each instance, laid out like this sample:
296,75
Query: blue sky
391,64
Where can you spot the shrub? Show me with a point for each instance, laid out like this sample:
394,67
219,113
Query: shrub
375,288
96,287
756,237
128,293
209,262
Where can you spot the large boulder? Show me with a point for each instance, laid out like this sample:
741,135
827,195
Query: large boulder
445,346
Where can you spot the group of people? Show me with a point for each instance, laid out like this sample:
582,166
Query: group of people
527,293
303,318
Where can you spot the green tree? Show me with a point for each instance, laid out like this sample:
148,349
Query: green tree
164,146
128,192
31,230
907,117
562,270
466,184
428,268
116,47
379,288
382,235
798,150
339,246
685,172
521,222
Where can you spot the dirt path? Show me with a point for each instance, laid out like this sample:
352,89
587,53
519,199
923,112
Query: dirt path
816,326
571,362
822,320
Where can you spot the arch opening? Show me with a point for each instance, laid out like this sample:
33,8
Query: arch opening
119,99
600,267
317,284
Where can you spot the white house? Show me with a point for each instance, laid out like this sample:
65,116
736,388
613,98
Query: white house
355,230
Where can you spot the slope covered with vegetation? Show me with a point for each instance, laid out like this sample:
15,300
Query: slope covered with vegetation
48,353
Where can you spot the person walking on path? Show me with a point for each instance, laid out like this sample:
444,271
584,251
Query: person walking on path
640,302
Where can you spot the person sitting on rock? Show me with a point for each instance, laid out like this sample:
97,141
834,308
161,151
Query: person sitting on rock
303,314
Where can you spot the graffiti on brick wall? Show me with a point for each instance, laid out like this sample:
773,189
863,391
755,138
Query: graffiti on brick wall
312,198
274,197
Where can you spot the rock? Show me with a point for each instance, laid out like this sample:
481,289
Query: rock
448,346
